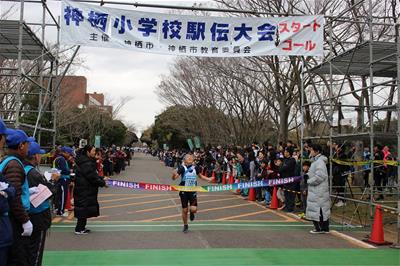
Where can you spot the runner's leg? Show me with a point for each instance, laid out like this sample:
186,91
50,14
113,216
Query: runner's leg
185,203
184,216
193,205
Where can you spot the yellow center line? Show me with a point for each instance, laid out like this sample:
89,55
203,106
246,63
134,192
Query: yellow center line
133,204
56,220
243,215
173,206
287,218
101,216
70,215
205,210
256,221
283,215
126,198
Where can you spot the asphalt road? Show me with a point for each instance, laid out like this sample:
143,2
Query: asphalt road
148,224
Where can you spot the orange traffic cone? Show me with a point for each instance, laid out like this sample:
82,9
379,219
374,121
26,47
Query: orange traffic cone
214,180
224,178
68,205
252,194
377,235
274,202
231,180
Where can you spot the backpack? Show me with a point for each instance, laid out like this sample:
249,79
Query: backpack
25,186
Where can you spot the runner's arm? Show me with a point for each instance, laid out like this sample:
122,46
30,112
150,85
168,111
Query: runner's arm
208,179
175,175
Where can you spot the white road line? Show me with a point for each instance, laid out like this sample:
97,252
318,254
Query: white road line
352,240
193,225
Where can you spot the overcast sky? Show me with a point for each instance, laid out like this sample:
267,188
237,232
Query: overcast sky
116,73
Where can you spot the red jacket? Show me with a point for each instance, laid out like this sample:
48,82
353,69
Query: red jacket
99,166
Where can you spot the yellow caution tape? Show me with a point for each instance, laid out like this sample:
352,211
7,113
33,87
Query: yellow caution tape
362,163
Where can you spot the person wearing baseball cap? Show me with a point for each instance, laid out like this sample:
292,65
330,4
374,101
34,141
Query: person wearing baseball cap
7,194
13,170
40,216
4,131
68,150
61,163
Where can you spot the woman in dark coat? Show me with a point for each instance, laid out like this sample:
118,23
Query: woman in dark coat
87,185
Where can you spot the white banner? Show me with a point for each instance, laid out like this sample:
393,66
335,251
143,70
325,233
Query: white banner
97,26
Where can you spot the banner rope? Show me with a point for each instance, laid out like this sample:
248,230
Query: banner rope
209,188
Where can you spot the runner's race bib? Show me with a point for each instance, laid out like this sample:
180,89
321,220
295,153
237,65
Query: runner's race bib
190,177
190,181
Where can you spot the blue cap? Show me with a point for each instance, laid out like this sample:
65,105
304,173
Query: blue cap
3,129
34,148
67,150
17,136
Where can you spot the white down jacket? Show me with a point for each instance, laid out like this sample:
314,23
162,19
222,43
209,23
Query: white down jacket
318,190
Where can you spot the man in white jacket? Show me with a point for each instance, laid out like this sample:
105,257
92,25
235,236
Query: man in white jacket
318,199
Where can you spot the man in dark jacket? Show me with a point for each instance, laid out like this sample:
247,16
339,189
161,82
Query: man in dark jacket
288,169
245,174
40,216
13,171
87,185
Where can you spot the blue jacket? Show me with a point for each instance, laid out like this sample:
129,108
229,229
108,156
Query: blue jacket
61,164
6,237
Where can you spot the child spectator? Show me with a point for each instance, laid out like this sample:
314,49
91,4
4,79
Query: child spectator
303,187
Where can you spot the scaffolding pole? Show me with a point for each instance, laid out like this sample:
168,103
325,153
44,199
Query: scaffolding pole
19,81
371,103
398,136
331,111
40,58
41,79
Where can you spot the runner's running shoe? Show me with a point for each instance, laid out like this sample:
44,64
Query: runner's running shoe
317,232
191,216
185,228
84,232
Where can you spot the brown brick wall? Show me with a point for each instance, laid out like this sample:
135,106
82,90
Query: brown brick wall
98,96
73,91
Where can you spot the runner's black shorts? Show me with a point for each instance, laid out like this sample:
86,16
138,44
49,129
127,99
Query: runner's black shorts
188,198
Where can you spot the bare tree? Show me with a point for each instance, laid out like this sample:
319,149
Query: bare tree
118,104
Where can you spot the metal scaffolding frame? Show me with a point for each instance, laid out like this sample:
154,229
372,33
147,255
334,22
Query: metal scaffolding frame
41,79
380,62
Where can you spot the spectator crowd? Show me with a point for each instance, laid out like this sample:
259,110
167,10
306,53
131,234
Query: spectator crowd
29,198
266,161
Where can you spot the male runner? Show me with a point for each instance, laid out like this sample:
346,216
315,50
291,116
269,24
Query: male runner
188,173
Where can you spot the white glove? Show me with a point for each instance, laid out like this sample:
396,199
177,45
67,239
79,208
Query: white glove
28,228
3,186
33,190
